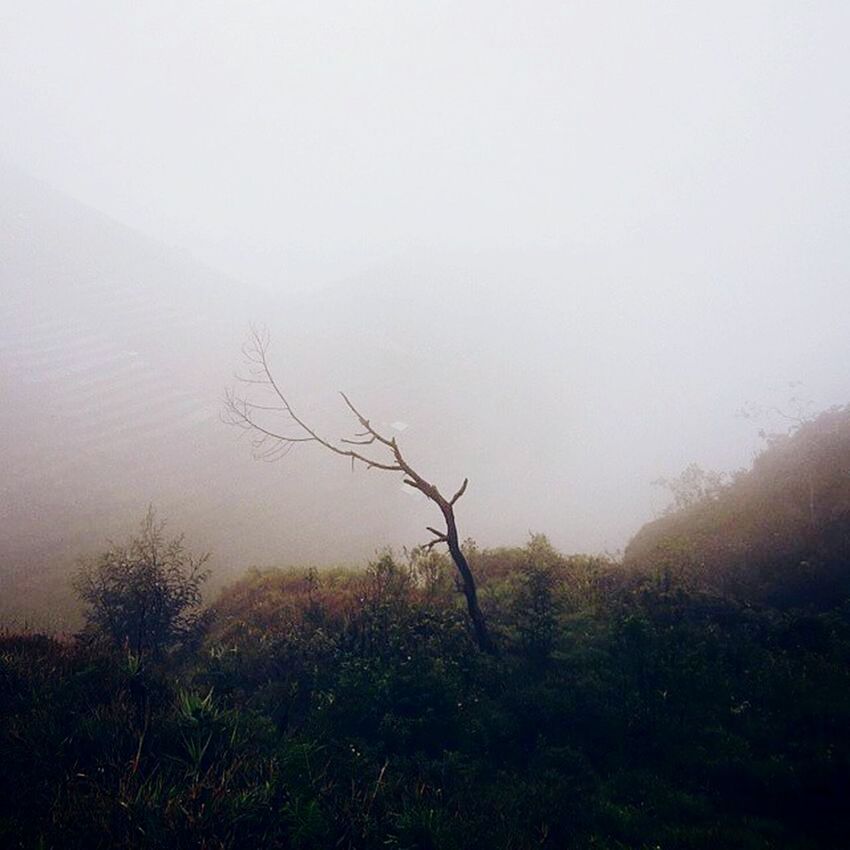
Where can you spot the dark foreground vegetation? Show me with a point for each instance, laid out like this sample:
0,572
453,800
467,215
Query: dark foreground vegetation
695,696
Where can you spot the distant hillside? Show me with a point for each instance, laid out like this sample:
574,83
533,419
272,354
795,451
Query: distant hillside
780,531
112,352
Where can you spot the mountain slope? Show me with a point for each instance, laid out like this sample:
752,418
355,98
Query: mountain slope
114,352
780,532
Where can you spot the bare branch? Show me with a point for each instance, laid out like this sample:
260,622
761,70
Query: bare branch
439,537
269,444
365,422
251,405
243,380
460,492
358,442
239,410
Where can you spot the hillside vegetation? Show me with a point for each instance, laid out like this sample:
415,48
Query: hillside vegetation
696,696
778,533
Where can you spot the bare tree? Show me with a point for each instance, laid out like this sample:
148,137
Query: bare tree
367,446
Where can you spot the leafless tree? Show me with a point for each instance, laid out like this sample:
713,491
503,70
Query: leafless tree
367,446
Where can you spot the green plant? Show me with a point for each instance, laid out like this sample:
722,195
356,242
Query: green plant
145,595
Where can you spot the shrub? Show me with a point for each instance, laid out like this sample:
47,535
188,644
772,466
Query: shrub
144,595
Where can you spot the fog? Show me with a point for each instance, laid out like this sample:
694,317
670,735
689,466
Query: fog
562,243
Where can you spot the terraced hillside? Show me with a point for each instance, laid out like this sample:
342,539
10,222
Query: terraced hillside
91,394
114,354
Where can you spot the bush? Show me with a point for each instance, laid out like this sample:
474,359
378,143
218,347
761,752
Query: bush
145,595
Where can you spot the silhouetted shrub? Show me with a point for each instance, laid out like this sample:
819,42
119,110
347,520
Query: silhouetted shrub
144,595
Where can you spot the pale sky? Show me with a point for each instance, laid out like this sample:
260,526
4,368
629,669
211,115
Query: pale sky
295,142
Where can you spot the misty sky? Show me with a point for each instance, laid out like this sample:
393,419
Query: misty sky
295,142
652,200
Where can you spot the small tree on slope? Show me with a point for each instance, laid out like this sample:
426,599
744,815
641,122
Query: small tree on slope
144,595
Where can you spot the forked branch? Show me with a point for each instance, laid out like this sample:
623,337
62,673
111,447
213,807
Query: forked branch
263,419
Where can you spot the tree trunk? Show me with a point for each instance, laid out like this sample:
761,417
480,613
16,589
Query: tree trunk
479,625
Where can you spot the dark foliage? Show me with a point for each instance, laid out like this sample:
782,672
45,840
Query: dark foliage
778,534
648,707
354,710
